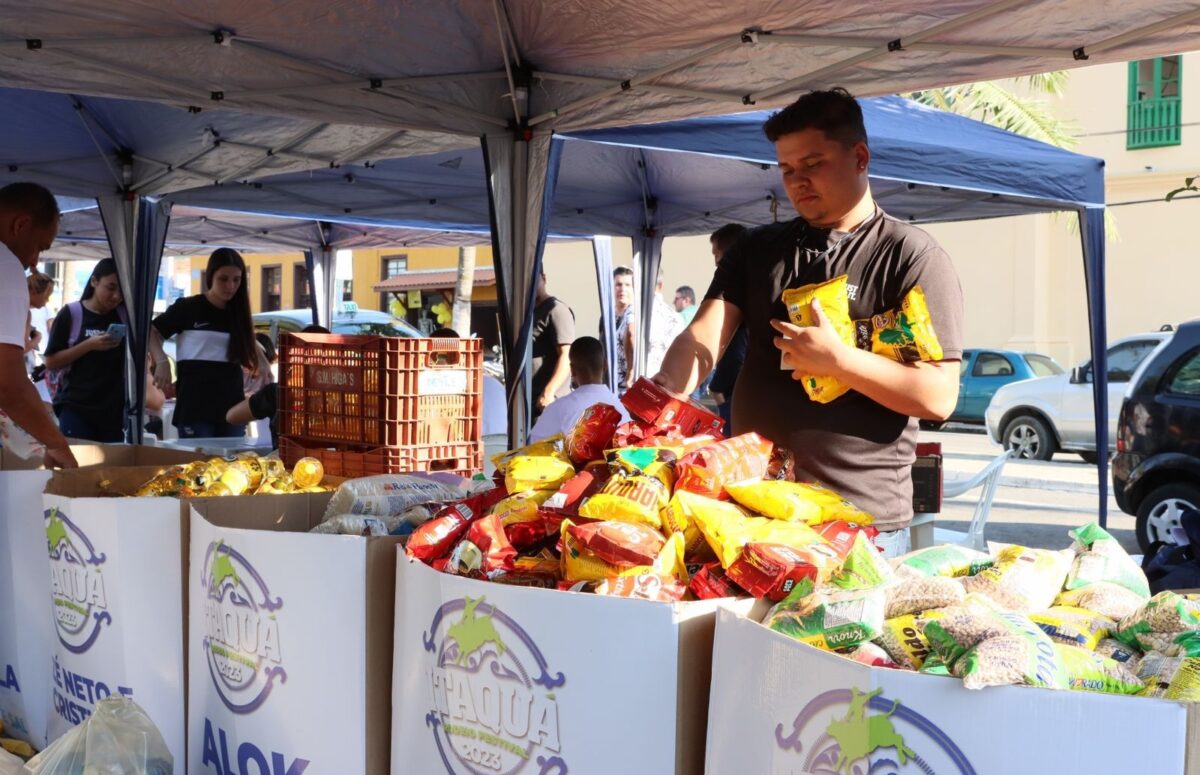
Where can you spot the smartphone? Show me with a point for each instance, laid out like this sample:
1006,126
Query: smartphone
117,330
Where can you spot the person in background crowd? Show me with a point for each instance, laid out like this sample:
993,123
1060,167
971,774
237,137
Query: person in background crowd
264,375
215,341
87,347
41,285
495,403
724,376
28,226
685,303
553,332
264,403
155,401
624,324
665,325
587,370
863,444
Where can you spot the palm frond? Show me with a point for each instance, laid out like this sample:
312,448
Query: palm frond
1025,116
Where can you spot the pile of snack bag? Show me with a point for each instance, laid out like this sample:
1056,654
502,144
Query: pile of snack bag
1080,618
660,507
245,474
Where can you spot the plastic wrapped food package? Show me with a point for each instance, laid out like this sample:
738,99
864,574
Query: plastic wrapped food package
1091,672
1172,678
772,571
832,619
863,568
353,525
117,738
727,528
1100,558
1111,600
1022,579
620,543
872,656
914,595
1160,619
903,638
946,560
592,432
841,534
796,502
1074,626
537,472
706,470
834,299
629,498
677,517
581,564
906,334
389,494
1004,648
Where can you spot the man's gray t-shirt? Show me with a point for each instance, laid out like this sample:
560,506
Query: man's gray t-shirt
854,445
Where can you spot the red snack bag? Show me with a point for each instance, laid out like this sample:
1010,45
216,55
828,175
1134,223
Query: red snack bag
484,549
782,467
733,460
772,570
652,404
576,489
592,433
648,586
620,543
530,572
435,538
711,582
841,534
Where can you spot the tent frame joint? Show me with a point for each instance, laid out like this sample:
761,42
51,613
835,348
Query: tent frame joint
1080,54
895,45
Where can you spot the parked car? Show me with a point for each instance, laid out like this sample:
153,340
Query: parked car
358,321
1039,417
1156,469
983,372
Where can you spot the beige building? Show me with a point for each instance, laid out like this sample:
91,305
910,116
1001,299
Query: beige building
1022,277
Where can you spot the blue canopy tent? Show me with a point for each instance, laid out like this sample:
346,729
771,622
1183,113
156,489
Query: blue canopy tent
689,177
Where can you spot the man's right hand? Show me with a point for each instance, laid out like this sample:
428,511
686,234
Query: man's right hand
60,457
162,375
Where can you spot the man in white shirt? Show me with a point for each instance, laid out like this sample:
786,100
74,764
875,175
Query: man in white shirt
587,370
28,225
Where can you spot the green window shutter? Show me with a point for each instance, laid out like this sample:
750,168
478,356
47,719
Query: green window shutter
1154,104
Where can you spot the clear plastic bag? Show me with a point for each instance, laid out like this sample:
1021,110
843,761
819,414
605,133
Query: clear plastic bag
118,738
388,495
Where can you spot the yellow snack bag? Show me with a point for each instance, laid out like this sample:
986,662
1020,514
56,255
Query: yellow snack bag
553,446
579,564
906,334
537,472
811,504
677,518
835,303
727,528
1074,626
637,499
522,507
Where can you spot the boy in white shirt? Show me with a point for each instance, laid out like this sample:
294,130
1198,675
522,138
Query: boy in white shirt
587,370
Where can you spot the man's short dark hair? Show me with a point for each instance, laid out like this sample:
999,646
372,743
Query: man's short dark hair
587,357
724,237
445,333
621,271
687,293
33,199
835,112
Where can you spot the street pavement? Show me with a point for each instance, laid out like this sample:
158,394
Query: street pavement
1036,503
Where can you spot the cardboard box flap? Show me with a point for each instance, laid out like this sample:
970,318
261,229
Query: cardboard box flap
271,512
85,482
91,455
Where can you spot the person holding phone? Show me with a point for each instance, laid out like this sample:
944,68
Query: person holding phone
214,342
87,352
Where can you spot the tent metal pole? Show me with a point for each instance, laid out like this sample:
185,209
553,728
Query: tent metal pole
281,153
364,150
650,87
182,91
1140,32
287,145
52,44
359,84
692,59
512,86
290,60
821,41
457,110
837,67
172,170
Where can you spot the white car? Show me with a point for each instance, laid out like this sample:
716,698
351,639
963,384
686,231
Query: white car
345,321
1038,417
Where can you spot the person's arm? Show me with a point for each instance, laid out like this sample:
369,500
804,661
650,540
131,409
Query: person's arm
691,356
562,371
63,358
260,406
162,366
240,413
630,338
155,398
20,400
927,391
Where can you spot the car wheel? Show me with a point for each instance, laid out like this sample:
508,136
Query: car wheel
1029,438
1160,511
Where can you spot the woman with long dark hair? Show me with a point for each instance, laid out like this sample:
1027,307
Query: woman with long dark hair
86,358
214,342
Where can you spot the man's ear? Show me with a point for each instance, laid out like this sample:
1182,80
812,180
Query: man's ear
862,156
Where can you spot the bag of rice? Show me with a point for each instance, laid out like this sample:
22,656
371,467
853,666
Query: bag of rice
1022,579
1099,557
1074,626
1172,678
831,619
947,560
996,649
1111,600
910,596
1154,626
903,638
1119,652
1088,671
863,568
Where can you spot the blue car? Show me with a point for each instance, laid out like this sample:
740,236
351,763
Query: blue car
983,372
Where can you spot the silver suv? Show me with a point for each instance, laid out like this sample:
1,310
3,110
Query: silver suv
1038,417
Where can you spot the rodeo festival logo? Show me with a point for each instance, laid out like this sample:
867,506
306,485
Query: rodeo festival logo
241,631
76,584
892,739
494,704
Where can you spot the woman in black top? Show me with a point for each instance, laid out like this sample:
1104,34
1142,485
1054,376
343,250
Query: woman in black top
90,398
214,341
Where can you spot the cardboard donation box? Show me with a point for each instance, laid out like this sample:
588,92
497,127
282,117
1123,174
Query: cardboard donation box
290,641
781,706
27,631
497,678
116,590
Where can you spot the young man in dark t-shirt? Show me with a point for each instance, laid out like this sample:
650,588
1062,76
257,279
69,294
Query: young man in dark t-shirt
862,444
553,333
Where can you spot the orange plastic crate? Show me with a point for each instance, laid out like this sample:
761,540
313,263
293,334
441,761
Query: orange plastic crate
352,462
380,391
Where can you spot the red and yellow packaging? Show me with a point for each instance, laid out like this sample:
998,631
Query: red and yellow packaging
804,502
623,544
710,582
652,404
637,499
733,460
592,433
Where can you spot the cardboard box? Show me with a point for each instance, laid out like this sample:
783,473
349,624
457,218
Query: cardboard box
780,706
290,640
26,621
498,678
